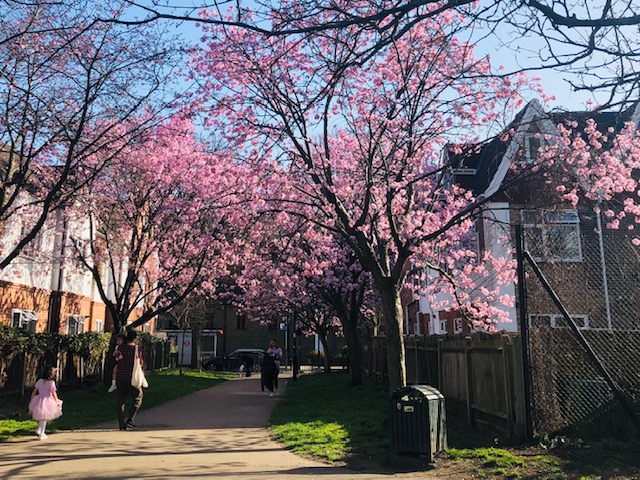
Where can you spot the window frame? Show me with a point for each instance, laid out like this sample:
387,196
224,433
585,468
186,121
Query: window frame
444,327
31,323
78,320
32,249
457,325
241,321
545,225
555,318
539,138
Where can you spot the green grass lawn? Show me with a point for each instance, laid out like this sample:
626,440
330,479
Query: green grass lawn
321,416
86,407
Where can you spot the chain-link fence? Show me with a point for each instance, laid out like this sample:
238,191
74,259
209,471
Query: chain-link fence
584,382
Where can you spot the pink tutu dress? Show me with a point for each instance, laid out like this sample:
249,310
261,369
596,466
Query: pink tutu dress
43,406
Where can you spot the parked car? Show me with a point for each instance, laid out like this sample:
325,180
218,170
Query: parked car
252,357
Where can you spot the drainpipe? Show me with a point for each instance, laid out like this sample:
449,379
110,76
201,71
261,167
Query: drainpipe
603,266
55,302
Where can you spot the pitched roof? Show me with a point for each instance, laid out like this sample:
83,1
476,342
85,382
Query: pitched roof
486,157
604,120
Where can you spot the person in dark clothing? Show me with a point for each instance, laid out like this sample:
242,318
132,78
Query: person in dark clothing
247,361
123,383
268,373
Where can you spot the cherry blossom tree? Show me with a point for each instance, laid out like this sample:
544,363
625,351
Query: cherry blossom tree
587,163
296,268
363,145
160,220
74,94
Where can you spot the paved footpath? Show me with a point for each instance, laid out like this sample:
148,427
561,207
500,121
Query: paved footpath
215,433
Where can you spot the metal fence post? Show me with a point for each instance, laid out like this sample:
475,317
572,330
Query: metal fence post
524,331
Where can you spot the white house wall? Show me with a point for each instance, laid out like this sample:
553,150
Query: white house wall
497,241
77,279
496,221
30,270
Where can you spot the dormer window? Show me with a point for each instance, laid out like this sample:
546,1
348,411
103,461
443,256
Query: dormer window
532,147
533,142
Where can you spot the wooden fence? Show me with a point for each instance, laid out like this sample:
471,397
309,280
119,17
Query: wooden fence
19,371
483,373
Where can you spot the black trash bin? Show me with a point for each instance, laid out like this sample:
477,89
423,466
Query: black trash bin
418,421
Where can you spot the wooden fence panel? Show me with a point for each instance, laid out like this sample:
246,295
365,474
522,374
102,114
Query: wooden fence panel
489,382
483,372
454,375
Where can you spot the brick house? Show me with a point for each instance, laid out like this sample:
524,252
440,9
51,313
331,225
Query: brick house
43,290
567,242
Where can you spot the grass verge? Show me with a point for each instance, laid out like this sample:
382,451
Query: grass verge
322,417
86,407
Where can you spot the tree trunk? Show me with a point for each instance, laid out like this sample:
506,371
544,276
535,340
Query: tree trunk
393,318
327,354
350,328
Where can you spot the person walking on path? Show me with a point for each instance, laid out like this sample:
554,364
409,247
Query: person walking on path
123,382
275,352
174,351
45,404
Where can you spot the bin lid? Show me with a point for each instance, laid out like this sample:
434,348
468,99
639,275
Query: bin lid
418,391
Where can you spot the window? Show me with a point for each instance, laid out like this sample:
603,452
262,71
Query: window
552,235
147,327
24,319
99,325
75,324
32,248
532,145
241,321
557,321
457,325
533,141
443,326
471,241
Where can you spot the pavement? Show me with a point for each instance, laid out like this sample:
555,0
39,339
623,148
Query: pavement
220,432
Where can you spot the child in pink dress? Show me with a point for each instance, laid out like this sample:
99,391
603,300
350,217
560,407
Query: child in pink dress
45,404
